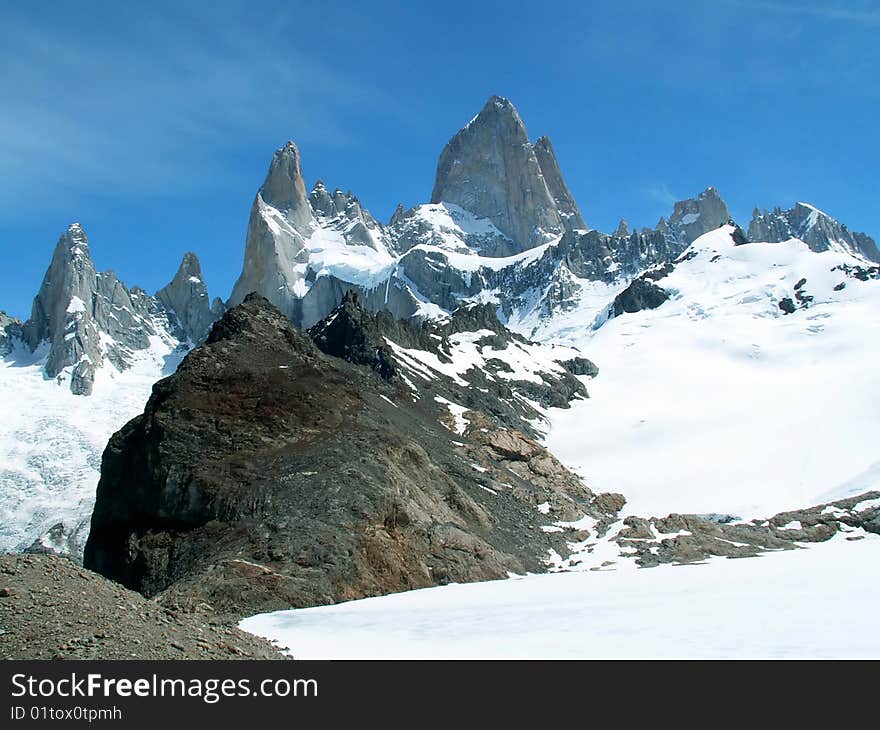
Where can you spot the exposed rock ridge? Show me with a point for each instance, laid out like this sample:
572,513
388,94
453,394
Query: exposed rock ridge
818,230
265,474
471,334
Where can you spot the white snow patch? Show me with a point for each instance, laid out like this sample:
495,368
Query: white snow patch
773,606
50,450
76,305
697,401
460,422
866,504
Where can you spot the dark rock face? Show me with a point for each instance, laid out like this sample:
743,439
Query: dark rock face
265,474
861,273
787,305
581,366
640,294
356,336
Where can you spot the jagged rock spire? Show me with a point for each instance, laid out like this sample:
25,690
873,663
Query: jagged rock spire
76,306
63,309
490,169
285,188
186,298
568,209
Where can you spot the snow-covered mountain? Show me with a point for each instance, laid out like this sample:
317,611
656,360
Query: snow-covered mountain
817,229
88,335
501,227
738,381
750,387
503,231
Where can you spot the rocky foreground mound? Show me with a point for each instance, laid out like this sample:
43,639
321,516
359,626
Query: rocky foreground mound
52,609
267,474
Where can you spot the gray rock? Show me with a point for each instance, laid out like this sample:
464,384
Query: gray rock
817,229
283,218
580,366
186,299
285,190
75,305
275,248
10,329
63,311
568,209
85,317
693,217
693,538
490,169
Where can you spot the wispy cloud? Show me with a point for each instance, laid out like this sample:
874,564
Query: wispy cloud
142,101
660,193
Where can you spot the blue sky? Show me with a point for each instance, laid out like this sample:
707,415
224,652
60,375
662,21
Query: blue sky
154,124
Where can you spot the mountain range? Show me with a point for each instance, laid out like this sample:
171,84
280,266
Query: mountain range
499,276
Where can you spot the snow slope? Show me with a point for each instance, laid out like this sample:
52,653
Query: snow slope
51,442
783,605
718,402
715,402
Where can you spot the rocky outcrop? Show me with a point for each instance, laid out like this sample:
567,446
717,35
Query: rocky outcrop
693,217
342,212
640,294
357,336
491,169
265,474
186,297
693,538
809,224
399,350
10,329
